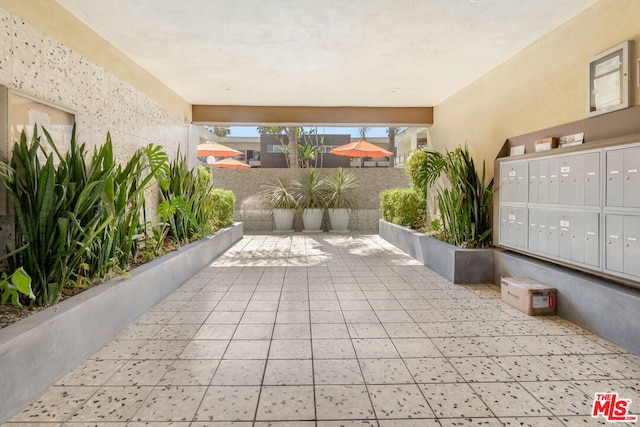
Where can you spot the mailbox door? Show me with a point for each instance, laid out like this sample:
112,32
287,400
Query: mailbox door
631,177
534,182
543,181
554,181
615,170
533,230
631,249
614,242
592,239
592,179
565,222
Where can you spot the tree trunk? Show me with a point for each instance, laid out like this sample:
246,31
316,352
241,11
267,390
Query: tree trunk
392,146
292,135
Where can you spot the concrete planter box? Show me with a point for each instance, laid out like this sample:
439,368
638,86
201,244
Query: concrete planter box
456,264
39,350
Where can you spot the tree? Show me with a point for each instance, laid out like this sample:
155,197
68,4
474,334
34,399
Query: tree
392,144
292,135
289,146
309,147
222,131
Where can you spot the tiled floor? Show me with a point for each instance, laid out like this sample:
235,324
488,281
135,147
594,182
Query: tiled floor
331,330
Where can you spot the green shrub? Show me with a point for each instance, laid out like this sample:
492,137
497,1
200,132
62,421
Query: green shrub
222,202
403,206
416,170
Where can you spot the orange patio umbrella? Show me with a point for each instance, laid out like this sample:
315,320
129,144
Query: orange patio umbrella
217,150
361,149
230,164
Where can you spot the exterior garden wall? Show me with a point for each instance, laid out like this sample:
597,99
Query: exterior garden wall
256,215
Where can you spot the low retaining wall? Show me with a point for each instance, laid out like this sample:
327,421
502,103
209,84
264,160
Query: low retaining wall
39,350
456,264
250,208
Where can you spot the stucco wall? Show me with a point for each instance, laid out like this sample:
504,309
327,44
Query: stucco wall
251,209
542,86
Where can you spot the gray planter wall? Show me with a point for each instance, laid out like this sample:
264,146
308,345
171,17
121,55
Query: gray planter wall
39,350
456,264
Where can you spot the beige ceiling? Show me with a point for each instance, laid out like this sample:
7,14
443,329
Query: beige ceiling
378,53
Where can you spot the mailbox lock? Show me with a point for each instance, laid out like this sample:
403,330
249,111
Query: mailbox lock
626,245
573,236
627,178
609,242
610,178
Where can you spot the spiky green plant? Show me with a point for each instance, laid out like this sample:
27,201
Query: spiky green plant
309,190
57,213
340,190
124,201
189,205
278,196
465,204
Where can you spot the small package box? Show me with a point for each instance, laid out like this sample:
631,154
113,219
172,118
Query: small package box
528,296
545,144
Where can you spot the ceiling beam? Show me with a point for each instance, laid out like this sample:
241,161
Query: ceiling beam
325,116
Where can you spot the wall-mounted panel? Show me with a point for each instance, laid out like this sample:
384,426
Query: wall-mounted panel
582,206
513,182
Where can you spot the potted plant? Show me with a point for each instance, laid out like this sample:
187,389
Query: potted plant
310,194
283,205
340,198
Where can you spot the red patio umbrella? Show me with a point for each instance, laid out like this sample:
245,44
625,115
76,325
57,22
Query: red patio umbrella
217,150
230,164
361,149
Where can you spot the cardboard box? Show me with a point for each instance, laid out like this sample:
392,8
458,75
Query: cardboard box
545,144
528,296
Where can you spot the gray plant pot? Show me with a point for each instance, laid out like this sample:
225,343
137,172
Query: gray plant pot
283,220
312,220
339,219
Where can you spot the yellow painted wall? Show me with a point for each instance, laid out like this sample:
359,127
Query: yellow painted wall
56,22
542,86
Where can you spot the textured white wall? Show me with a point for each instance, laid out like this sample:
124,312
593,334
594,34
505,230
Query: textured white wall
38,65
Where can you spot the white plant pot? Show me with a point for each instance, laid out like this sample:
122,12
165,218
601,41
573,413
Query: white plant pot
339,219
283,220
312,219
